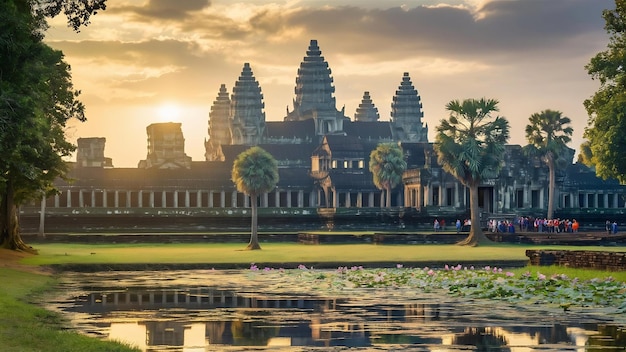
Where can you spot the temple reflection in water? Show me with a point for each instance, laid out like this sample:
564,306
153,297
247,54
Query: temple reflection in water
205,318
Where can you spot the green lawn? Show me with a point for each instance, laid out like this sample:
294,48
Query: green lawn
234,253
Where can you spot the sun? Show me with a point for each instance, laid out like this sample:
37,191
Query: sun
169,112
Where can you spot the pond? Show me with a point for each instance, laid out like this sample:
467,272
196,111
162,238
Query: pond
234,310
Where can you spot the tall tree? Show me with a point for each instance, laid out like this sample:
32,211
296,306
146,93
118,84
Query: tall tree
469,146
585,156
37,99
255,172
548,134
606,131
387,165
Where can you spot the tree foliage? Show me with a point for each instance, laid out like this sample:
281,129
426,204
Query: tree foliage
548,134
387,165
470,145
255,171
37,99
606,131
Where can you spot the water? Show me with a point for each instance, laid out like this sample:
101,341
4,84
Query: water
228,310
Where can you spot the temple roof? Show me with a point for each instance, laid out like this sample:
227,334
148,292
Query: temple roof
369,131
297,131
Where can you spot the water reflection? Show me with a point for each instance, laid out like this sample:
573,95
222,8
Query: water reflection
231,310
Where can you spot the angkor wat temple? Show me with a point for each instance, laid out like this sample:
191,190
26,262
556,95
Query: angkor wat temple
323,159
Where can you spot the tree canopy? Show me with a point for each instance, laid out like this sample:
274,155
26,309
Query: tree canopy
37,99
470,145
387,165
606,130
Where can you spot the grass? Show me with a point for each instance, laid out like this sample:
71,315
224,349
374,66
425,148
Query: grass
26,327
581,274
233,253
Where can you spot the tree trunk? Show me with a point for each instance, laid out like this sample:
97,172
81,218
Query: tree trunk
388,195
254,237
42,217
551,185
10,232
476,235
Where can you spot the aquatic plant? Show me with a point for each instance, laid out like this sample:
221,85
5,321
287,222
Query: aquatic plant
462,281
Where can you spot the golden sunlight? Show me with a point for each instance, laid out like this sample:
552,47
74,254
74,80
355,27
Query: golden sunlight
169,112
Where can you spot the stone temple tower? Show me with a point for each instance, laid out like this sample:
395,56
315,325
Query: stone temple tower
367,111
247,119
219,126
314,94
406,114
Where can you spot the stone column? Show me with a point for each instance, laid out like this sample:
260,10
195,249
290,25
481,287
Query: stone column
164,199
335,198
359,200
615,196
246,201
199,199
187,199
370,199
300,199
68,197
81,203
151,199
211,199
104,198
116,197
223,199
277,198
93,198
175,198
128,199
57,201
233,199
525,196
140,199
288,199
265,200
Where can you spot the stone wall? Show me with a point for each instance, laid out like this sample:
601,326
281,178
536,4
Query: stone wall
600,260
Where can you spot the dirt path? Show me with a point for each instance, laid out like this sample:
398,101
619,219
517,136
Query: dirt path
11,259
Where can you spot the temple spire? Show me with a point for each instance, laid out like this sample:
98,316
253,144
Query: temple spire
406,113
367,111
315,94
219,126
246,109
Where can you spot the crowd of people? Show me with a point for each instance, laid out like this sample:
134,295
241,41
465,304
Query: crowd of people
525,224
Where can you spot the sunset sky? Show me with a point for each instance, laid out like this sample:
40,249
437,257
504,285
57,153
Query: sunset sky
147,61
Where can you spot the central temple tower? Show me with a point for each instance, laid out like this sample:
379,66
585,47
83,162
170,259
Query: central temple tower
314,94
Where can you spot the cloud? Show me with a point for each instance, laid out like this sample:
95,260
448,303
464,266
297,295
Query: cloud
161,9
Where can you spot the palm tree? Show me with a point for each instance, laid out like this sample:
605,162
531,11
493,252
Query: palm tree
548,135
469,146
255,172
387,165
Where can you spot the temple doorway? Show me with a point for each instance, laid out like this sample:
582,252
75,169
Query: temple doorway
485,199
